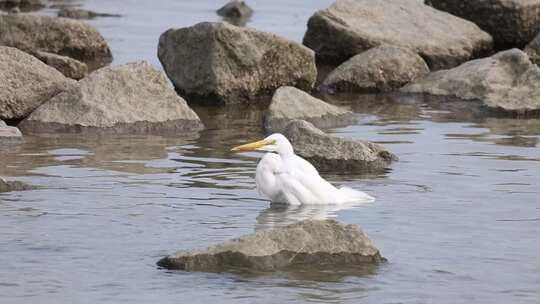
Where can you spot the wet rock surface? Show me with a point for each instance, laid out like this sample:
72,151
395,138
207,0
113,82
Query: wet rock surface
309,243
218,63
289,103
62,36
512,23
9,134
69,67
533,50
235,9
26,83
332,153
380,69
77,13
8,186
134,97
505,81
349,27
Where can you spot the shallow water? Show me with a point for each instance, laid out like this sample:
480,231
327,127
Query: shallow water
458,217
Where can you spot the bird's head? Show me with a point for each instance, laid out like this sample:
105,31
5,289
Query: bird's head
273,143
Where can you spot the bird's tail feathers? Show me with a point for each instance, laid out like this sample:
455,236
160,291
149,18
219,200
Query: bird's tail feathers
350,195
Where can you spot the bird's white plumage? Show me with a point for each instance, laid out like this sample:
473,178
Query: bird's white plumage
287,178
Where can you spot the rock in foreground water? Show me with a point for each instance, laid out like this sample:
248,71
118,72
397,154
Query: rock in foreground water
507,80
380,69
9,134
349,27
235,9
131,98
70,67
8,186
332,153
26,83
512,23
533,50
309,244
61,36
290,103
222,63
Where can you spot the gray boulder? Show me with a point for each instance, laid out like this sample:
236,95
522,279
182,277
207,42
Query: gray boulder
134,97
223,63
380,69
507,80
61,36
349,27
8,186
308,244
26,83
533,50
235,9
9,134
77,13
289,103
70,67
332,153
512,23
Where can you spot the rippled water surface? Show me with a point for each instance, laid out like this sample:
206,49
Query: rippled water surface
458,217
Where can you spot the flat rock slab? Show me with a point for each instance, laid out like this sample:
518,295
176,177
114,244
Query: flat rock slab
77,13
505,81
9,134
289,103
219,63
8,186
349,27
512,23
533,50
62,36
331,153
380,69
304,244
26,83
131,98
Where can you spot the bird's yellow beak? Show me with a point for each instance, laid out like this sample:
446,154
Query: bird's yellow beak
252,146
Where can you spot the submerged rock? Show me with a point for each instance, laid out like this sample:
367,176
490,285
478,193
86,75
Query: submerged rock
309,244
380,69
26,83
8,186
134,97
235,9
507,80
332,153
77,13
290,103
62,36
70,67
222,63
9,134
349,27
512,23
533,50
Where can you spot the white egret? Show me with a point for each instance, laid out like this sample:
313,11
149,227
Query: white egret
287,178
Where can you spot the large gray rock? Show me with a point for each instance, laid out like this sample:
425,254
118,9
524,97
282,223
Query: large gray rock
533,50
61,36
309,244
222,63
332,153
235,9
134,97
512,23
507,80
25,83
9,134
8,186
349,27
380,69
70,67
289,103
